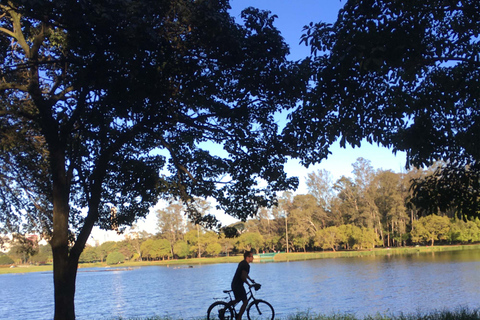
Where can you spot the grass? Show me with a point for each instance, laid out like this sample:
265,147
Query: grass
173,262
280,257
460,314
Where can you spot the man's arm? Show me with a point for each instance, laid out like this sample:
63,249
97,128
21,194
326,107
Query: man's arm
245,278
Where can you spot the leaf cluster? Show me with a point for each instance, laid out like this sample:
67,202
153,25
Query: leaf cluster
403,75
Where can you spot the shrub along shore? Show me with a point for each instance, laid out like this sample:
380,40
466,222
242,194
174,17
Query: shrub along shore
279,257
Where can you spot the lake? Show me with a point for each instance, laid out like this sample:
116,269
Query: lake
362,286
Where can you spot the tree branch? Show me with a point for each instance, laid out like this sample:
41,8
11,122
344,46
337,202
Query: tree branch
16,86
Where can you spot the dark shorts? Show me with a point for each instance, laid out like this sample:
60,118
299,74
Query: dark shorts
239,292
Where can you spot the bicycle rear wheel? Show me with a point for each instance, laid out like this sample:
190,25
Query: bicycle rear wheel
260,310
220,311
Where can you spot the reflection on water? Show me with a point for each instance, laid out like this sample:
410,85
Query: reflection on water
366,285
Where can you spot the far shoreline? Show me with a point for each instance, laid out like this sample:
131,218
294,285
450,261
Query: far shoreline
278,257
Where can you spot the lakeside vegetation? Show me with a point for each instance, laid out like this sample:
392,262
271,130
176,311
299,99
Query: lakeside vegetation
279,257
458,314
371,211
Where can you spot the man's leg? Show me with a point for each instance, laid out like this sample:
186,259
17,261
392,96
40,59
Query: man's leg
232,303
242,309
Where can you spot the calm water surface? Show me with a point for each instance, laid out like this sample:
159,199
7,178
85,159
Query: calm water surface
360,286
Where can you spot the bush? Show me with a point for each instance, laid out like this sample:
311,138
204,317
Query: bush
4,260
39,258
115,258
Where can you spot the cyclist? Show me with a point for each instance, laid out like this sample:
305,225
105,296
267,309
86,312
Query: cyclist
241,276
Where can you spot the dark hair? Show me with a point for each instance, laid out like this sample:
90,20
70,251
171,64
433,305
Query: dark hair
246,254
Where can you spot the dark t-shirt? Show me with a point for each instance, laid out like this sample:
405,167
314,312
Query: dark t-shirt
237,278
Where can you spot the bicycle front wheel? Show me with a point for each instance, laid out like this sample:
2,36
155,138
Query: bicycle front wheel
260,310
220,311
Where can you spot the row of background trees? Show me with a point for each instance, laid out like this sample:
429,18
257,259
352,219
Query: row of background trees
373,208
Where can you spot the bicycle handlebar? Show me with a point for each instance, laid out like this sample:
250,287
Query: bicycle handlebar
255,285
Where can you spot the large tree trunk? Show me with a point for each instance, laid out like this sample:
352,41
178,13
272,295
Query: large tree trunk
64,270
64,278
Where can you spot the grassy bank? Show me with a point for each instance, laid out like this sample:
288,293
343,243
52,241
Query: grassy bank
173,262
460,314
280,257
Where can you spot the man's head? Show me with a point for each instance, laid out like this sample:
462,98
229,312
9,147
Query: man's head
248,256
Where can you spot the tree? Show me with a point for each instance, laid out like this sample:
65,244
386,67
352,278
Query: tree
249,241
463,232
171,222
348,203
213,249
89,254
391,205
43,255
156,249
364,181
98,99
430,228
449,188
135,240
403,75
284,206
305,218
115,257
23,247
227,242
5,260
320,185
126,248
105,248
181,249
198,240
328,238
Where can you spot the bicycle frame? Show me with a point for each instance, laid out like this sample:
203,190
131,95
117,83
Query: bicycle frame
250,297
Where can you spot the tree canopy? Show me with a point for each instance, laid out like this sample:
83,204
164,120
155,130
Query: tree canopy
111,105
404,75
401,74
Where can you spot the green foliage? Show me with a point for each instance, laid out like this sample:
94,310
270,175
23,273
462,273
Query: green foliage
328,238
104,249
23,248
89,254
40,258
156,249
464,232
430,228
181,249
213,249
249,241
170,221
115,258
5,260
450,187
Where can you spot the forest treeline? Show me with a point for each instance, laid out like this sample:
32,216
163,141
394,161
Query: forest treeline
374,208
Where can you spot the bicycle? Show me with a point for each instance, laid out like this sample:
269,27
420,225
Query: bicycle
257,309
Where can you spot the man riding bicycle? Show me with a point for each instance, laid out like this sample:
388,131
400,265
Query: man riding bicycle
241,276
